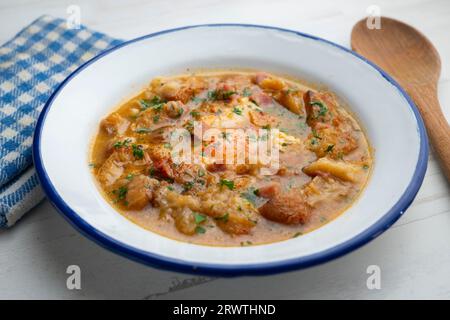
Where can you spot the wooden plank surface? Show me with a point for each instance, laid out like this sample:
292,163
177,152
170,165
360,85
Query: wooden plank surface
414,255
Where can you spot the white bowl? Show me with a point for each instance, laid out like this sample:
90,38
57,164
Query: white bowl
71,116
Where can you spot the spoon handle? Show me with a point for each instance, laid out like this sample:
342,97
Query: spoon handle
438,128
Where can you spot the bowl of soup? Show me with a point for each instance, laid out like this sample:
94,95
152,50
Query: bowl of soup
230,149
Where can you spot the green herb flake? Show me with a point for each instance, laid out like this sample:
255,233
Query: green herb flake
315,134
227,94
199,218
223,218
154,103
237,111
322,108
143,130
200,230
121,192
144,103
227,183
188,186
122,144
329,148
212,95
138,153
195,114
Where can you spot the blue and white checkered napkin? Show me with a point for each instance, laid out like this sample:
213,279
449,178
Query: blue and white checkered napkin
32,65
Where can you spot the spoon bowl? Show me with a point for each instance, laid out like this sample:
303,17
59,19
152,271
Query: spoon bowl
407,55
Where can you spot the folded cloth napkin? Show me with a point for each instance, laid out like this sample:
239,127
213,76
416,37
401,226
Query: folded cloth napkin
32,65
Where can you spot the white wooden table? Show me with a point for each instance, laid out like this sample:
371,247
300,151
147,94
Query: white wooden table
414,255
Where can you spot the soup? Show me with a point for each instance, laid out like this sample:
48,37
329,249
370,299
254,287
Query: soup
231,158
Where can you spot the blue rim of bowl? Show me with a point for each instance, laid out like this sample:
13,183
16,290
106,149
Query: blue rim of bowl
163,262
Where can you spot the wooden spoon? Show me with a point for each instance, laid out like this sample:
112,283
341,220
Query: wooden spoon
408,56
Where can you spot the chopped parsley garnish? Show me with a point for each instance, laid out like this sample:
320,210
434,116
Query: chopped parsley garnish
143,130
212,95
199,218
145,104
124,143
138,153
297,234
365,167
329,148
200,230
188,186
154,103
227,94
121,192
156,118
322,108
315,134
195,114
220,94
227,183
223,218
237,111
130,176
